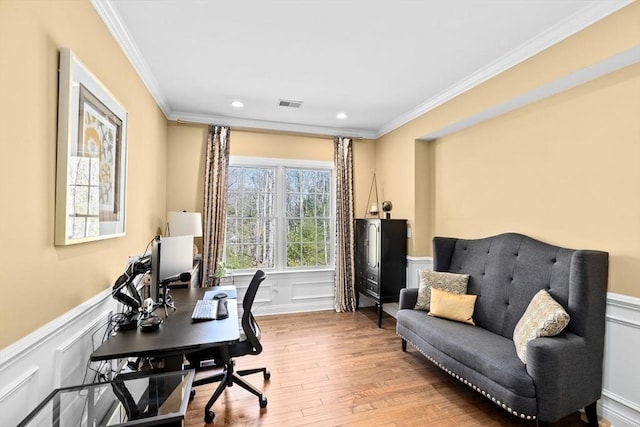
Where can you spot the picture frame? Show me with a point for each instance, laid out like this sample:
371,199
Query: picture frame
91,168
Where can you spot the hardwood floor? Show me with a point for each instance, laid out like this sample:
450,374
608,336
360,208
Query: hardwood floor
340,369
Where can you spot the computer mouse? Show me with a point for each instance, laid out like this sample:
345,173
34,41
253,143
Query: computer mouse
220,295
151,323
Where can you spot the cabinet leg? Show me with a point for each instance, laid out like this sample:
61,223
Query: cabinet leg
380,315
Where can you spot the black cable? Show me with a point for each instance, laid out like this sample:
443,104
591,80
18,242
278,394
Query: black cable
109,327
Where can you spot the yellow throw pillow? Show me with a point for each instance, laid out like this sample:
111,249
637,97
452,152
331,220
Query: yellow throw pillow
450,282
544,317
458,307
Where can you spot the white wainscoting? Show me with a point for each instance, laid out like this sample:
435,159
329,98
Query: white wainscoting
290,292
413,280
57,354
620,403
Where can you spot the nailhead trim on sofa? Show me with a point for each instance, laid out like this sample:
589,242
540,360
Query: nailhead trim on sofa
473,386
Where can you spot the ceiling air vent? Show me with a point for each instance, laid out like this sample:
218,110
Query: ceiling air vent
289,103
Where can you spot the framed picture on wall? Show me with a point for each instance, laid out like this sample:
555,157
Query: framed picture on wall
91,178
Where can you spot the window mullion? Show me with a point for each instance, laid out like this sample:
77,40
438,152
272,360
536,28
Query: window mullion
281,221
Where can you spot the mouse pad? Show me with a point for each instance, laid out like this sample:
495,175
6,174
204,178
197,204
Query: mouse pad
231,293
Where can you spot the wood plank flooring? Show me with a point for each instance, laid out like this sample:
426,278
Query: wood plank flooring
340,369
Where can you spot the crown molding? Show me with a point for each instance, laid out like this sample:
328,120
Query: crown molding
608,65
113,23
270,125
580,20
594,12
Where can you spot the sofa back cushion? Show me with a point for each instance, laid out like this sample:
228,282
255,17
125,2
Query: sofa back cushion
505,272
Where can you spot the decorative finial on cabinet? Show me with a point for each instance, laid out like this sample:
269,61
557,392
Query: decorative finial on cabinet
386,208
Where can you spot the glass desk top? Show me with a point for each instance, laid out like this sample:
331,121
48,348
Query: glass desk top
138,399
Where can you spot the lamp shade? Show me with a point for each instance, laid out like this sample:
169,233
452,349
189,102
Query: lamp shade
185,224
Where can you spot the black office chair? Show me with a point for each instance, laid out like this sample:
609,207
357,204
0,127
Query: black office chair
249,344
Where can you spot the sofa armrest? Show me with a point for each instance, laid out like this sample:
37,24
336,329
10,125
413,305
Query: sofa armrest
566,373
408,298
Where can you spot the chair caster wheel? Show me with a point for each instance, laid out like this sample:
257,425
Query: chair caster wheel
267,375
192,394
208,417
263,402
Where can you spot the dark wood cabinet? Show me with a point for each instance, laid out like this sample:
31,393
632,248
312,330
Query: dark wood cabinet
381,259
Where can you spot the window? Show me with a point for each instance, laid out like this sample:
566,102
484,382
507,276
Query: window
279,214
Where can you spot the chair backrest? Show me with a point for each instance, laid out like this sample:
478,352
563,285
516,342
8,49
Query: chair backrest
249,324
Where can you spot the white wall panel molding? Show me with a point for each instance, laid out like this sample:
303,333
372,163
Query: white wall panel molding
38,363
71,356
620,402
413,265
290,291
20,396
49,331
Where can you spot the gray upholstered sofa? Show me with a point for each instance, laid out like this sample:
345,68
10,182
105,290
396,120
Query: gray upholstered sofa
563,373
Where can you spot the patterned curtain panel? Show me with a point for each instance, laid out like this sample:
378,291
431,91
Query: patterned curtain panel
215,200
345,272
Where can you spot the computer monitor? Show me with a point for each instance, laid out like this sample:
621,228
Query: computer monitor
170,257
154,286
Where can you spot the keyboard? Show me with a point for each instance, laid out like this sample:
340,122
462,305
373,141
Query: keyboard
205,310
210,310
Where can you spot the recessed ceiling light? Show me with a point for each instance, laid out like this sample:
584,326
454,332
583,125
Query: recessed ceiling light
237,104
341,116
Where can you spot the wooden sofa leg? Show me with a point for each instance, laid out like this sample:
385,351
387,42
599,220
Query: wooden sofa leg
404,346
591,411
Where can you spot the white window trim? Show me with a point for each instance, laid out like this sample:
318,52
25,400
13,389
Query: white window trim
281,234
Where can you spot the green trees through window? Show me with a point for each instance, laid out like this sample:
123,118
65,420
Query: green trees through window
251,222
307,216
278,210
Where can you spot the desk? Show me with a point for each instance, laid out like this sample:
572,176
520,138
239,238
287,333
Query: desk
177,335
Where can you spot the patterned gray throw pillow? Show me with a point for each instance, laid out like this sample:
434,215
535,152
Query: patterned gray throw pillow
544,317
449,282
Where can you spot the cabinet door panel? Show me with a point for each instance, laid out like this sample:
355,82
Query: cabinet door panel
373,245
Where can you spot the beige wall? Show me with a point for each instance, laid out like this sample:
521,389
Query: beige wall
564,169
39,281
186,150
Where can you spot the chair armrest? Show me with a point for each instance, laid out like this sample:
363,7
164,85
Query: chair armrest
408,298
567,373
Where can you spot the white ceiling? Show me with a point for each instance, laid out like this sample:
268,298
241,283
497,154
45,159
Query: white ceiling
382,62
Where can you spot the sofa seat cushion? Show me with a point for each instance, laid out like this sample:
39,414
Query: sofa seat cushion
490,355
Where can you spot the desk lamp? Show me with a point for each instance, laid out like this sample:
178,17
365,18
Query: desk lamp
185,224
